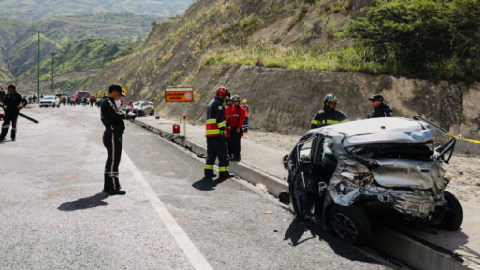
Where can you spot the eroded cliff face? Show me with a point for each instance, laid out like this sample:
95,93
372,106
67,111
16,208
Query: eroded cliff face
286,100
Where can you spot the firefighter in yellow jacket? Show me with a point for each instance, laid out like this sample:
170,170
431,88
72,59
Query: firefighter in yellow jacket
216,136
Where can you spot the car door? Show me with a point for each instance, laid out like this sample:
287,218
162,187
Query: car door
301,181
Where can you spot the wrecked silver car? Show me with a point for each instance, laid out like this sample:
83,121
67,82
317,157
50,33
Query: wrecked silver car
345,176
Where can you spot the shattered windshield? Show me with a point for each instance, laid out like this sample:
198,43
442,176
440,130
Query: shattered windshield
395,151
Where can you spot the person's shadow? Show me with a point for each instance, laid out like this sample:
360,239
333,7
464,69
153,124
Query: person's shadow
85,203
207,184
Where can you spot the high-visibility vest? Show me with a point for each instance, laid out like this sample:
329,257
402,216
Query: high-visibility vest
247,110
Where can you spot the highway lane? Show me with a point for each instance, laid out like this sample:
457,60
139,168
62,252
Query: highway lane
54,215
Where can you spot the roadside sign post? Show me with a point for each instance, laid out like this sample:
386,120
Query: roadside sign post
181,95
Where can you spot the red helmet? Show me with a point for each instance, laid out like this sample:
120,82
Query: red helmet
221,91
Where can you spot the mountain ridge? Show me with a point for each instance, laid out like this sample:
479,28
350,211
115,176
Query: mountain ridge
28,10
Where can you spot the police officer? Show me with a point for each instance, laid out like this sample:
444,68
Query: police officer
380,109
216,142
112,119
329,115
12,106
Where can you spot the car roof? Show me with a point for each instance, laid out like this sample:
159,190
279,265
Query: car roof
380,130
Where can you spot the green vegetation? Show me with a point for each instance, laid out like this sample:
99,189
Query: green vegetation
427,38
20,38
83,56
29,10
291,57
74,84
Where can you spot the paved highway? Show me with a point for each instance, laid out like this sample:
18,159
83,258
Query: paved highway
54,216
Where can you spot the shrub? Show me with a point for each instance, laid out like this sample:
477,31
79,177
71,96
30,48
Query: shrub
426,38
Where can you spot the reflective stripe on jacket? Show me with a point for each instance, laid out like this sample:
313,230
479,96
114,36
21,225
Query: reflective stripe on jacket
325,118
215,118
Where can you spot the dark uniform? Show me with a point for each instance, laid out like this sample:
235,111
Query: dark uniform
2,96
382,111
112,118
216,142
328,116
11,104
325,118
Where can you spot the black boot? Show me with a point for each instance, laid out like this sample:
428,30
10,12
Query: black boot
226,175
117,192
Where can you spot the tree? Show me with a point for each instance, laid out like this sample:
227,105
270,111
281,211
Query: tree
422,37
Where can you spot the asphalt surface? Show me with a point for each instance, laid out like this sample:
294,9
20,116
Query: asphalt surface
54,216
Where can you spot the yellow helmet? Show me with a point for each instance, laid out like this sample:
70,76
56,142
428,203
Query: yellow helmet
244,101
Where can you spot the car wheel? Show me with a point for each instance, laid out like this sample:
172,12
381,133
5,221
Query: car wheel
297,194
350,224
454,213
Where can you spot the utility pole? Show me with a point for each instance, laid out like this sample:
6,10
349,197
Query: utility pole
38,68
52,70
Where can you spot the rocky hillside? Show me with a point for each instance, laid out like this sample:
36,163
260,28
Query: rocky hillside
284,57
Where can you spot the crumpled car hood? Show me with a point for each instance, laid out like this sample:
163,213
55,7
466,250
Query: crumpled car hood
390,137
414,174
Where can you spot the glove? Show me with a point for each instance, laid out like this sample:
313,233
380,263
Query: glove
223,133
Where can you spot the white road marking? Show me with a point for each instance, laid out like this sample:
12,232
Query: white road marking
195,257
97,111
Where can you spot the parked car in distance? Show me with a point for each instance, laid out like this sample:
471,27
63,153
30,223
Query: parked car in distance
348,176
144,107
50,101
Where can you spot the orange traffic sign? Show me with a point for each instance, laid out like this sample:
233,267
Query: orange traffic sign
179,95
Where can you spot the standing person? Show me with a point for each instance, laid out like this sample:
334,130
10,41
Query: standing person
228,107
112,119
64,100
236,120
329,115
12,106
2,94
380,109
74,99
92,101
216,144
246,107
34,98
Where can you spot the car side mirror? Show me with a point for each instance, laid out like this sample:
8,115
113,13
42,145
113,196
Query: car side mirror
285,161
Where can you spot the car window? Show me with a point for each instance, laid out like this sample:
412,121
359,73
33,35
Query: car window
305,151
136,103
328,159
145,104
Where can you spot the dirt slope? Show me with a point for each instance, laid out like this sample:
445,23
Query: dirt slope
283,100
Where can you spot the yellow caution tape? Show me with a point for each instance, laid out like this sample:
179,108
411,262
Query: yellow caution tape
460,137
